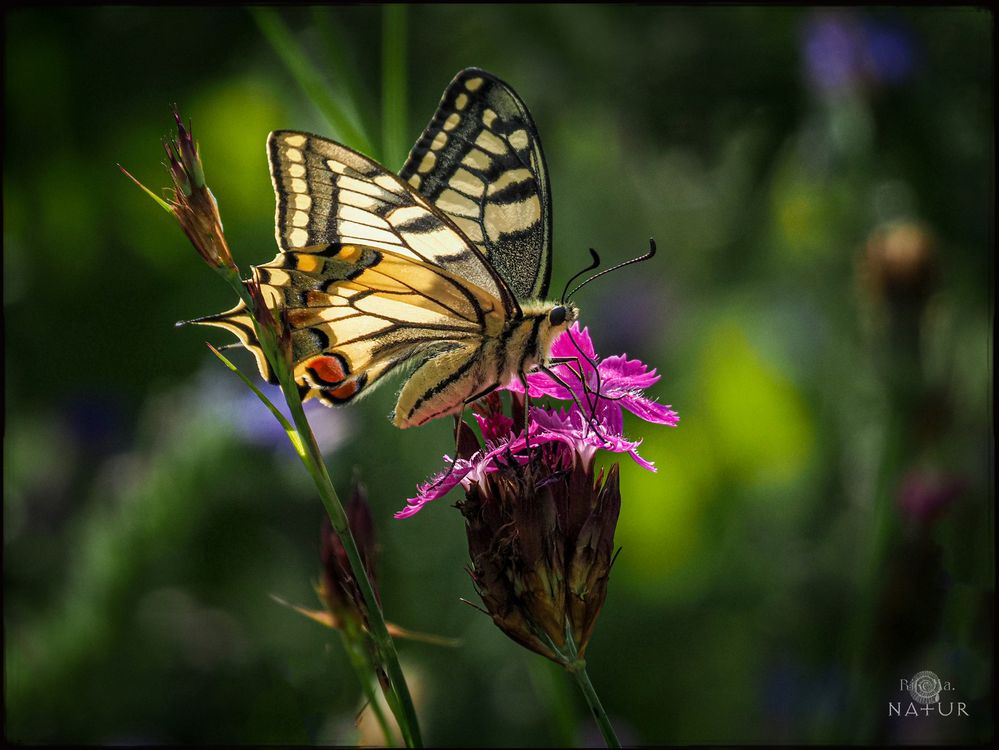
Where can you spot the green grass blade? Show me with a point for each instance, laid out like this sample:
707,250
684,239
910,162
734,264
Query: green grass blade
339,56
394,109
341,118
292,433
162,203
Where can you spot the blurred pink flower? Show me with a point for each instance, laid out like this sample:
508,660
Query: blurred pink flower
924,495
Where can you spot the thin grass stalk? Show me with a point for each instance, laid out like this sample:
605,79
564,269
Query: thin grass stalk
394,95
354,645
880,534
336,50
343,121
548,680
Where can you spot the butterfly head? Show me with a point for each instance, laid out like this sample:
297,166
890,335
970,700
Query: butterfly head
555,318
562,316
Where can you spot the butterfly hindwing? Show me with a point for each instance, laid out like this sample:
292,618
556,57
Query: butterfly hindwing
480,161
355,314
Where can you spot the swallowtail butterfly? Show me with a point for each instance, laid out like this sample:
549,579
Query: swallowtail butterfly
440,271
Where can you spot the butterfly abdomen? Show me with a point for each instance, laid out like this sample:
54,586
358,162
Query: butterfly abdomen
444,383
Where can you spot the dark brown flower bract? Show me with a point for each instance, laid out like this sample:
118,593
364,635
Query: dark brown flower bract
542,544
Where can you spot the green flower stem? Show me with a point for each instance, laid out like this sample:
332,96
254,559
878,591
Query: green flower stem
312,458
354,644
882,533
596,708
577,667
379,632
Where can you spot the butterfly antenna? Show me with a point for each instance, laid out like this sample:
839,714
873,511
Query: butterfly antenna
639,259
594,264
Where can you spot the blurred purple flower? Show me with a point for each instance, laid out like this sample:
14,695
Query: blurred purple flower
891,51
228,400
924,495
844,51
95,421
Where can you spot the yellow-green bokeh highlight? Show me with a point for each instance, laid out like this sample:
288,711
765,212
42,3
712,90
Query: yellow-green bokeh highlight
746,426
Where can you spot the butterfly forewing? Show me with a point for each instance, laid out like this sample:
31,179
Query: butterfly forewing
480,161
328,194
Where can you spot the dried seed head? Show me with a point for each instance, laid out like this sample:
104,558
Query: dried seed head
193,204
900,263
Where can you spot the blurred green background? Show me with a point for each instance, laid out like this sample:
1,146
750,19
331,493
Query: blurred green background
821,187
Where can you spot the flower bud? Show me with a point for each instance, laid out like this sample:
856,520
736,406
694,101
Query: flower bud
177,171
193,204
924,495
338,588
541,543
188,151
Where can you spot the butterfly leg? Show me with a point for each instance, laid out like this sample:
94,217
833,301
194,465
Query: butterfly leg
586,386
592,419
596,371
480,394
459,423
582,380
527,409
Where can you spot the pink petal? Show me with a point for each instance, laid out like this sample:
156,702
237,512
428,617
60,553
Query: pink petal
494,426
651,411
627,373
436,488
642,462
563,346
542,384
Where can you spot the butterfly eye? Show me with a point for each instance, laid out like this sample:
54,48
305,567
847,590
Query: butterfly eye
557,316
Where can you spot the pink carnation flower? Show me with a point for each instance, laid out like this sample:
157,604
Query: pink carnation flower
592,421
619,381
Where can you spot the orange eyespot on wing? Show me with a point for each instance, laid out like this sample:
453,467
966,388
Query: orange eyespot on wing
327,370
344,393
347,391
